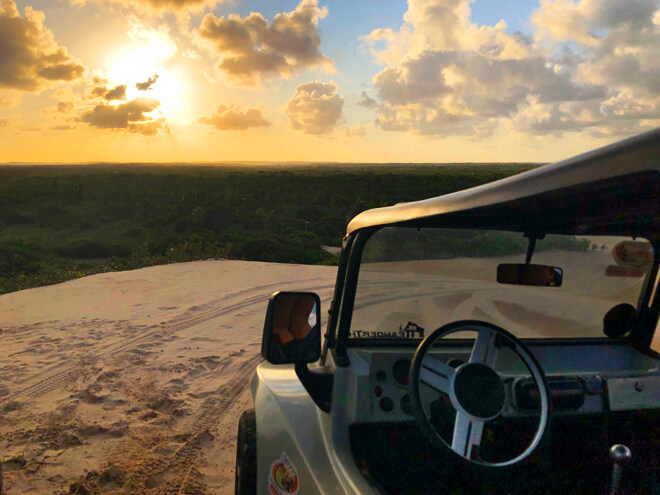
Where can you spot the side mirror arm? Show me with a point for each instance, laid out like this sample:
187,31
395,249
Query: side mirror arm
318,384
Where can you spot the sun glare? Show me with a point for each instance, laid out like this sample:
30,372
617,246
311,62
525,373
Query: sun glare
139,66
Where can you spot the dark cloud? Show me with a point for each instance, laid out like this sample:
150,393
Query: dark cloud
232,118
251,50
481,86
129,116
151,128
64,106
367,101
315,108
30,58
118,93
99,91
144,86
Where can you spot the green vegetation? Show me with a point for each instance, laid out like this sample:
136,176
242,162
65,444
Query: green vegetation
395,244
64,222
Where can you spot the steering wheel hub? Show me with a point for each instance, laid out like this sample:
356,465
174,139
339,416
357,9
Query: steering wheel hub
478,390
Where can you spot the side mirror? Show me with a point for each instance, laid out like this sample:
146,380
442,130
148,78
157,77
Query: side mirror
292,330
536,275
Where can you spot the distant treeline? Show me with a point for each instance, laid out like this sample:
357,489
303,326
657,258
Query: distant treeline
63,222
427,244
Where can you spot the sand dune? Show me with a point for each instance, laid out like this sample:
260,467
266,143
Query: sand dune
133,382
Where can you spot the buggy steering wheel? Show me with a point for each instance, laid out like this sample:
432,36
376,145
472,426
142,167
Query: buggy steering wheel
475,389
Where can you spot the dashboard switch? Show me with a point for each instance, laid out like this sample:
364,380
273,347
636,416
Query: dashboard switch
386,404
593,385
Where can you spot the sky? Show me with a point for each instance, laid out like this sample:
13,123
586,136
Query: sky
324,80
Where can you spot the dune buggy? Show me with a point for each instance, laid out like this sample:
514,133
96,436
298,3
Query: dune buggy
494,340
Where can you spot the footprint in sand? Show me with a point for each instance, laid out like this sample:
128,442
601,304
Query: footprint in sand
176,386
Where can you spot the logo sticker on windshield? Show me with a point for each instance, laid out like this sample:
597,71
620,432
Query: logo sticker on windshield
283,477
410,331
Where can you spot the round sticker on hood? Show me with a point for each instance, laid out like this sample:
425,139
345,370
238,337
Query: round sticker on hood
283,477
633,254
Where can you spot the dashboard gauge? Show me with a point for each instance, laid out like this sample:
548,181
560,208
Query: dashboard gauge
400,371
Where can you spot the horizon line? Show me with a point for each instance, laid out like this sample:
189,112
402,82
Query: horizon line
258,163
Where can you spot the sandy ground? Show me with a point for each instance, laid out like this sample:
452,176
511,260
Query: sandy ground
133,382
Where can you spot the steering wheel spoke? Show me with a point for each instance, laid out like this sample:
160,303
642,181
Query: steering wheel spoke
485,348
467,435
476,391
436,374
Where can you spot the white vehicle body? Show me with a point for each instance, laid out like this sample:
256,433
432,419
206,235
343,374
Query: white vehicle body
617,375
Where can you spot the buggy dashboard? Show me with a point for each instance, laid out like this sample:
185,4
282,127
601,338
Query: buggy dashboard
583,378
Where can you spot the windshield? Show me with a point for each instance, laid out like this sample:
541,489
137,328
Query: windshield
413,281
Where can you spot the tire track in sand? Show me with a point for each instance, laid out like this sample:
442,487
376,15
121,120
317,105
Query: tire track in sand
71,373
178,473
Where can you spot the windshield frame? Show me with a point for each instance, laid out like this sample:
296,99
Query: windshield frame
640,337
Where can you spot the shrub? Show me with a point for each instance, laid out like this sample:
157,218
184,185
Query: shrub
90,248
16,258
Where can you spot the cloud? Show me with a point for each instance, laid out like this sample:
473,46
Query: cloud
30,58
155,42
100,90
64,106
315,108
130,116
63,127
232,118
151,128
356,131
590,65
9,98
251,50
568,20
144,86
160,6
118,93
195,5
4,123
367,102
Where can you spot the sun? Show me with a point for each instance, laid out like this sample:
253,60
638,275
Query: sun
143,64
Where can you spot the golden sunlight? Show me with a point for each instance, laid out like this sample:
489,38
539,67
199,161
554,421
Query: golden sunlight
141,66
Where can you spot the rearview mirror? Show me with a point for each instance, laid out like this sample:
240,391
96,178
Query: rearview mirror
292,330
524,274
